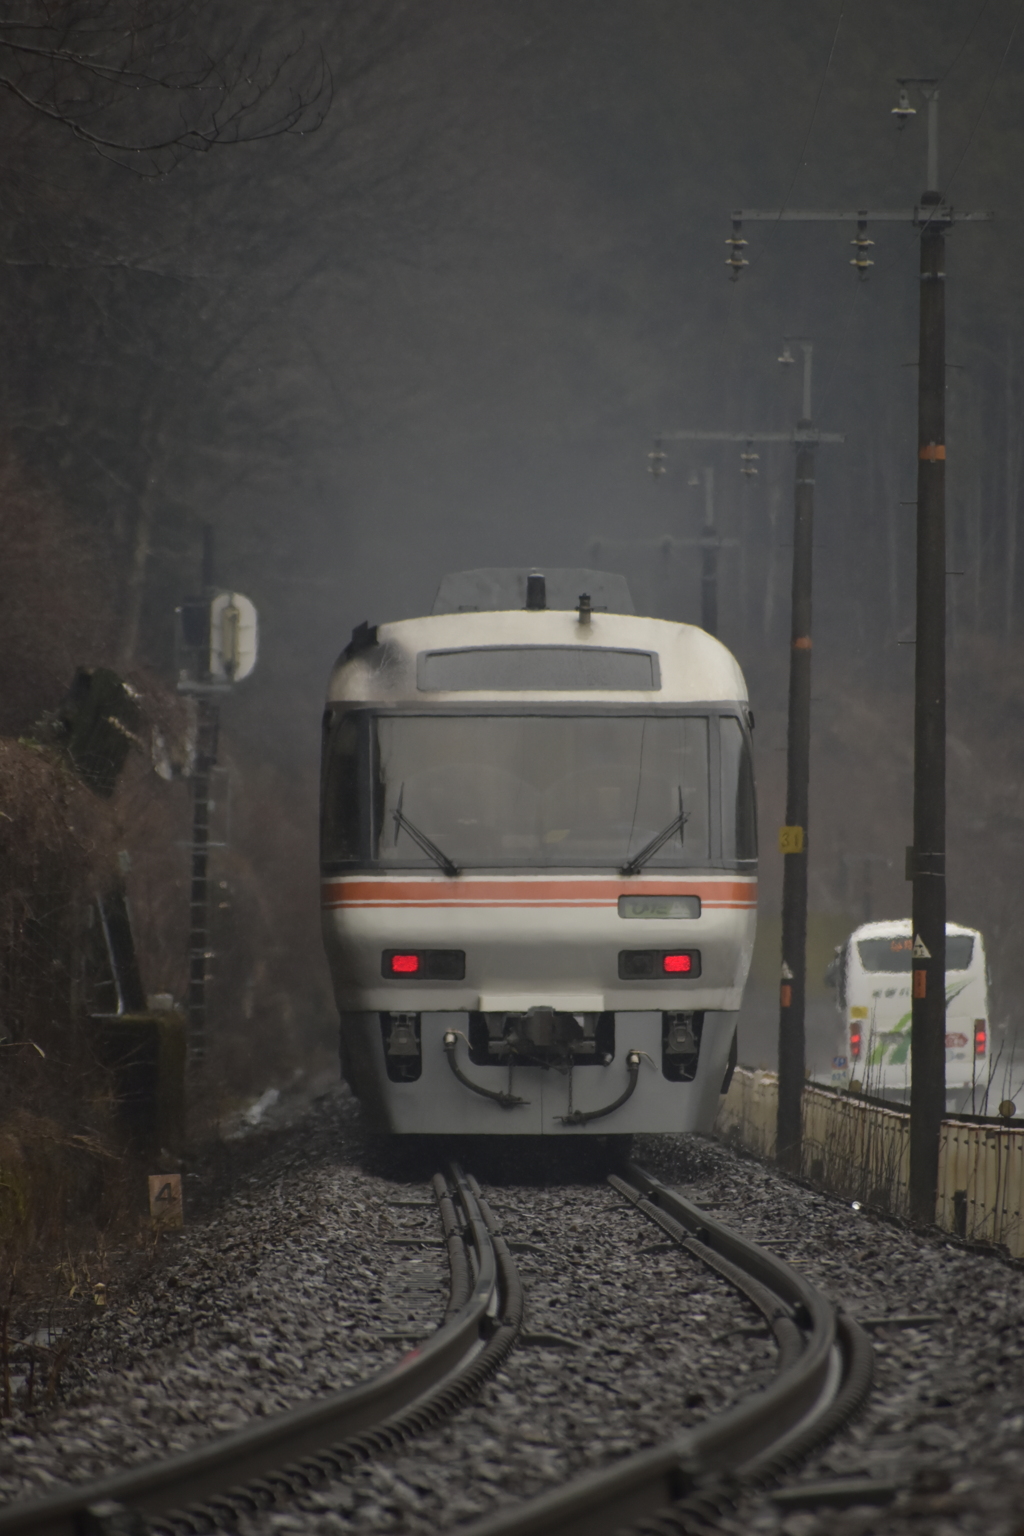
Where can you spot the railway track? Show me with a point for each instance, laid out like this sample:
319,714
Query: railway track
823,1371
269,1462
823,1374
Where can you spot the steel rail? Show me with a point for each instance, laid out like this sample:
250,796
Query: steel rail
255,1467
823,1376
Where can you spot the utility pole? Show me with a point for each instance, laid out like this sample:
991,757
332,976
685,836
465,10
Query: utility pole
793,841
926,859
793,836
709,541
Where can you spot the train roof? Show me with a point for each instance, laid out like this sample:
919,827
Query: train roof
501,588
535,655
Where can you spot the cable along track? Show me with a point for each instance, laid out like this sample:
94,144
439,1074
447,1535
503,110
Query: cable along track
822,1378
276,1459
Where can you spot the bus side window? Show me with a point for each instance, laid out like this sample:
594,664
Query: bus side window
841,977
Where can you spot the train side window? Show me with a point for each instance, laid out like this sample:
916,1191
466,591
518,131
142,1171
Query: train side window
340,834
739,806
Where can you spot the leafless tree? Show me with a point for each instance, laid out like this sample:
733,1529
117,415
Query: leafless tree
149,81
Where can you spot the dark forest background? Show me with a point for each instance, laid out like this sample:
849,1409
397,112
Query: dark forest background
423,305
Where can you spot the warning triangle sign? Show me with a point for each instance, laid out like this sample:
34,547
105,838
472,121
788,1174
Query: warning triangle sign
920,950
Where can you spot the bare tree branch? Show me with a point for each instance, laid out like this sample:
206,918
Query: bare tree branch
147,81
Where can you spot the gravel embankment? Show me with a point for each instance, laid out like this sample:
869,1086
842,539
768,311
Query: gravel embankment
289,1286
945,1421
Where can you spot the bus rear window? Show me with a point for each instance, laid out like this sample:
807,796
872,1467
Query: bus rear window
895,954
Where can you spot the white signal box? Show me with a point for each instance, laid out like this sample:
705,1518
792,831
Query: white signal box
234,637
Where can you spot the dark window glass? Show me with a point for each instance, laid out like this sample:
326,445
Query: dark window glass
536,667
342,810
896,953
739,806
543,790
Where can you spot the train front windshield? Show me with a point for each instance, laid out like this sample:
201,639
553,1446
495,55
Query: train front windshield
537,790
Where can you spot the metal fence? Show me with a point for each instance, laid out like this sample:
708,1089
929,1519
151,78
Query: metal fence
862,1151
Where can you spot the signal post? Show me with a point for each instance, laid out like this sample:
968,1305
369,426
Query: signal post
216,644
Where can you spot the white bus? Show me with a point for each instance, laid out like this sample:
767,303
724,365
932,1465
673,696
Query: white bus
871,973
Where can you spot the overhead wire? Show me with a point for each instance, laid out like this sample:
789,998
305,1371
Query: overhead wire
915,233
970,33
988,94
851,307
807,137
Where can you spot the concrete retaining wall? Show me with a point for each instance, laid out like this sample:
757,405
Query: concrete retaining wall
862,1151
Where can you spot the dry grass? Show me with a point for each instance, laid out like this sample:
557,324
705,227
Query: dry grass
57,847
72,1194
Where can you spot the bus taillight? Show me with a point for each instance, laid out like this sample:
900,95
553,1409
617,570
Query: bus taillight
979,1037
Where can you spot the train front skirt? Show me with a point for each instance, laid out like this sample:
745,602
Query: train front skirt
447,1092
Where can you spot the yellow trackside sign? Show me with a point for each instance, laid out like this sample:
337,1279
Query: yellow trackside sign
791,839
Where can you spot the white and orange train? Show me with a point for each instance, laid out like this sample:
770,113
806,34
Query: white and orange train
539,861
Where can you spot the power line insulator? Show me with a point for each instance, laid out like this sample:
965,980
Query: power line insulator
862,245
735,260
903,111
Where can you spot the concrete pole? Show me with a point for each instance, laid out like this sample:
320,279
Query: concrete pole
928,855
792,1053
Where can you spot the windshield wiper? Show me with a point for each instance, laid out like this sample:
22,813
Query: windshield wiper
634,865
400,820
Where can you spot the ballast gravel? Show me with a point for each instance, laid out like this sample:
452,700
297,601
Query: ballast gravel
945,1422
293,1286
622,1341
298,1278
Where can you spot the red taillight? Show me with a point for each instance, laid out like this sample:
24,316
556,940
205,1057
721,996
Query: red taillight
980,1037
676,964
404,965
854,1044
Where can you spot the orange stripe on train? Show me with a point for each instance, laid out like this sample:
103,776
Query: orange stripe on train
530,892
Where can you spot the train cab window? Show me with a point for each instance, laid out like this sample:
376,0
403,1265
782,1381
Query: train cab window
543,790
342,812
739,806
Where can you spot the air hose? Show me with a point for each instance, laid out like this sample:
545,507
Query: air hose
581,1116
506,1100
